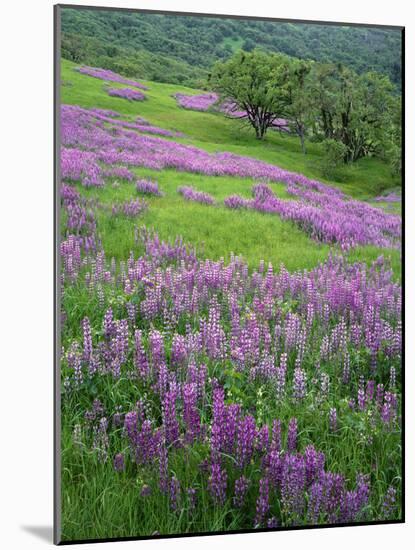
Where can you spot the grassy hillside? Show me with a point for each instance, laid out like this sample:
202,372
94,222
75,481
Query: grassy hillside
253,235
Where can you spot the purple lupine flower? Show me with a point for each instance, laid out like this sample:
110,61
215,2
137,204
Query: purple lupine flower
174,494
119,464
232,415
86,328
108,323
132,208
392,378
191,194
262,503
353,502
315,502
126,93
346,369
362,490
241,488
388,412
280,377
389,503
333,489
197,102
131,310
140,358
191,497
190,412
110,76
101,440
355,304
276,435
262,192
361,399
96,412
144,442
117,417
314,464
148,187
120,341
370,391
170,422
379,395
145,491
272,523
391,197
217,484
179,353
235,202
292,436
70,251
69,194
201,380
299,384
217,439
157,351
118,172
274,462
246,432
78,165
262,442
293,480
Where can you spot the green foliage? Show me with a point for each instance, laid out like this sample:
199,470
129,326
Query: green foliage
298,109
394,155
334,153
253,81
351,109
138,63
197,42
393,142
330,101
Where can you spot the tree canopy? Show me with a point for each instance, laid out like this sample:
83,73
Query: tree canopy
253,81
163,46
322,101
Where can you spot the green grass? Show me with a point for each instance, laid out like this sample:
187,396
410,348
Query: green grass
216,230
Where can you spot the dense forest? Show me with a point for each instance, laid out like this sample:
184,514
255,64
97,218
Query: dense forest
181,49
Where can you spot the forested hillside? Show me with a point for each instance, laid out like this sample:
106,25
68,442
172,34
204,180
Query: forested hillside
180,49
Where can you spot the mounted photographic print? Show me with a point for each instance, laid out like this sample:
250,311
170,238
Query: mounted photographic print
229,274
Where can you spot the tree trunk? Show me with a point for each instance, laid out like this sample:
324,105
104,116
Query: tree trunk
260,128
258,132
303,147
301,135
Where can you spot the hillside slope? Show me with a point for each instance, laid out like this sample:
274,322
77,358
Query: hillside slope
217,230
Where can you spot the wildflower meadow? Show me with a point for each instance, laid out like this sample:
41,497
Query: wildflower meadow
231,321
